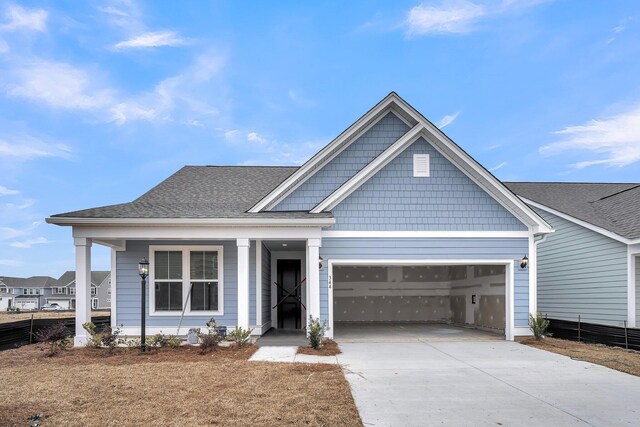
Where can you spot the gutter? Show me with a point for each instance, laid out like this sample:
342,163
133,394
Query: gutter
177,222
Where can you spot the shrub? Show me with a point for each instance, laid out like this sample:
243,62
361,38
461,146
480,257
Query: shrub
173,341
56,336
240,336
110,338
95,340
315,332
157,340
538,325
211,339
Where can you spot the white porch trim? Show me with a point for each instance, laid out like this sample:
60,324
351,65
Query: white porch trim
427,234
313,277
83,289
258,284
631,287
243,282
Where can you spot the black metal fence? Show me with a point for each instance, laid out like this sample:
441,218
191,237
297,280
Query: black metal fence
595,334
16,334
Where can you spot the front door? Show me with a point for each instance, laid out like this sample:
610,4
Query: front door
289,292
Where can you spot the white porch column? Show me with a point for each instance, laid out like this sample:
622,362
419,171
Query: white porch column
243,283
83,288
313,278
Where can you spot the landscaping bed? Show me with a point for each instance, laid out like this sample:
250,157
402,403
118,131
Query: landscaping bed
169,386
14,316
327,348
617,358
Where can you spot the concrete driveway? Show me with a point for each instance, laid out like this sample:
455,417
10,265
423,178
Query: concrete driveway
484,383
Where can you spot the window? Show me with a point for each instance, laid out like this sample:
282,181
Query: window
188,278
204,281
168,281
93,290
72,291
24,292
420,165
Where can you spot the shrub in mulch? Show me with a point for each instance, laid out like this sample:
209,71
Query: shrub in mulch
326,348
55,338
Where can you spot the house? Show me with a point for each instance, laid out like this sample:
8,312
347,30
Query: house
63,291
390,222
24,293
590,265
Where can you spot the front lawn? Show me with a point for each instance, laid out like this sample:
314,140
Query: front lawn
169,387
617,358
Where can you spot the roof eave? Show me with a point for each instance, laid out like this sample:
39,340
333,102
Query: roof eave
177,222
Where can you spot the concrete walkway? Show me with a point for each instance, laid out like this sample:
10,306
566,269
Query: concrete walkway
484,383
288,354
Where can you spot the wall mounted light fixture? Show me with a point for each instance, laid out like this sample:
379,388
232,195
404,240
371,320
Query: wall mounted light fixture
524,262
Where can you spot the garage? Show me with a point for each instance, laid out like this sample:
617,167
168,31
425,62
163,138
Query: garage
424,301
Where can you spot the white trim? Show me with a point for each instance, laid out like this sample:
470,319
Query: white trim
631,288
342,141
168,222
114,269
142,232
243,260
509,282
258,282
582,223
186,280
522,331
368,171
532,256
427,234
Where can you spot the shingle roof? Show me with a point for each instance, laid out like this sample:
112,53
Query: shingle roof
203,192
97,277
612,206
27,282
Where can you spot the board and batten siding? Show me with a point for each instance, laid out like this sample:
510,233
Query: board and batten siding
128,286
346,164
266,284
581,272
431,249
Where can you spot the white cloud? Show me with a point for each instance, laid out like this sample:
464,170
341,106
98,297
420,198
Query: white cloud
10,262
299,99
9,233
500,166
493,147
458,16
231,134
24,204
20,18
150,40
27,147
254,137
26,244
59,85
4,191
452,16
616,140
448,119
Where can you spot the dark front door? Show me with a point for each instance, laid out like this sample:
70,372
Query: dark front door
289,310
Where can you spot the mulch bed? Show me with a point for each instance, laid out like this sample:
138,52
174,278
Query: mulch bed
83,387
617,358
328,348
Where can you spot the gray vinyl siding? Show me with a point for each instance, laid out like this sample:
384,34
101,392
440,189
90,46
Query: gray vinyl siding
432,249
581,272
447,200
266,284
128,286
346,164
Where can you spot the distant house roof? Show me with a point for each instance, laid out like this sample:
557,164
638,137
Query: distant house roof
614,207
97,277
204,192
27,282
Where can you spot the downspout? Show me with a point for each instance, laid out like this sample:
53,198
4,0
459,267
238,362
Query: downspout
534,267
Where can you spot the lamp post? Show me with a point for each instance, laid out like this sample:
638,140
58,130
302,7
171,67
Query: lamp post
143,271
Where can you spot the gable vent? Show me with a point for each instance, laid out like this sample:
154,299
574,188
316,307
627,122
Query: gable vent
420,165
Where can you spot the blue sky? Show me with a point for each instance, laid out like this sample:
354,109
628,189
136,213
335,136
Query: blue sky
101,100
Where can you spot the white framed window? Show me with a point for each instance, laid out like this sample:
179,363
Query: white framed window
72,291
421,165
24,291
186,277
94,291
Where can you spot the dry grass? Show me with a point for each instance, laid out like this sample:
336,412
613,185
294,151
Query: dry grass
170,387
7,317
612,357
328,348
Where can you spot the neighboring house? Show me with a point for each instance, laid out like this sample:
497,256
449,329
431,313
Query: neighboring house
590,265
25,293
63,291
391,221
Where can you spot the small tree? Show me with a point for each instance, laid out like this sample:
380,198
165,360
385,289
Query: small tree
538,325
240,336
56,336
315,332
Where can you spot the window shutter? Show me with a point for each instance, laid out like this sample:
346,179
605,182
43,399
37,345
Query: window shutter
420,165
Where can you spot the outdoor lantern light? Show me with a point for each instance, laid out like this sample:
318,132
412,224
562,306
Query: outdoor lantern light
524,262
321,261
143,271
